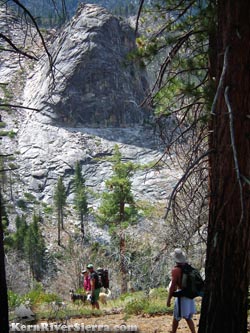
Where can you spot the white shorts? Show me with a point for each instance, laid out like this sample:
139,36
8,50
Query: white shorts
187,307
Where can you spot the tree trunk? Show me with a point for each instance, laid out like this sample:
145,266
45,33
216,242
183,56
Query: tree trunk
82,227
224,306
4,317
123,265
59,228
61,217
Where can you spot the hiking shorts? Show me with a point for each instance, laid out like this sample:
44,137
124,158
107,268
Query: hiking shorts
96,295
184,308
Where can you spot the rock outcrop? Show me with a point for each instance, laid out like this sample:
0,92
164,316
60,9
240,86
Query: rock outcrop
90,103
93,82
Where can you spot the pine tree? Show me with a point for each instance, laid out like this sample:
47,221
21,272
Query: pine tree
80,198
117,209
34,247
225,303
213,36
60,202
20,234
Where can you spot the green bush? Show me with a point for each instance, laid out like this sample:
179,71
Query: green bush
11,134
15,300
35,294
34,297
21,203
138,303
135,295
73,312
47,209
38,296
4,133
159,293
58,255
154,308
30,196
136,307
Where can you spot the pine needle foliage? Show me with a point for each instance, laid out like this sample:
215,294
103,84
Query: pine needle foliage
35,249
182,94
118,206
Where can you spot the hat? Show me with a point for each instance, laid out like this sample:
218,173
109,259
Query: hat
84,271
178,256
90,266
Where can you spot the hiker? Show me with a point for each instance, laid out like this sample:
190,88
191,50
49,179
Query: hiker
183,307
95,286
86,281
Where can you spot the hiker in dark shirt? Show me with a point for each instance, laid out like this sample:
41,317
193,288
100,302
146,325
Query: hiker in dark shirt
95,287
184,307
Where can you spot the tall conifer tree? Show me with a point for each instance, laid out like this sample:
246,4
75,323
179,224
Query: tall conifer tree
60,202
118,209
34,247
204,81
20,234
80,198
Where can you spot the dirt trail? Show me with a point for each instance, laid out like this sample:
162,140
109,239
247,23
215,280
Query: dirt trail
145,324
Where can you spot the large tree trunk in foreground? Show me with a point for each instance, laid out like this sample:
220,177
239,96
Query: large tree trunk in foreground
4,316
224,307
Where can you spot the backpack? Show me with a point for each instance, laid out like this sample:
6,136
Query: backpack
103,277
192,282
98,281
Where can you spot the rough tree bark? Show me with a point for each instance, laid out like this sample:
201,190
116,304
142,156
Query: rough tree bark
224,306
123,266
4,317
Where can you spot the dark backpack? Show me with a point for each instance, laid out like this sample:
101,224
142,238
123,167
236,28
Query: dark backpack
98,281
192,282
103,276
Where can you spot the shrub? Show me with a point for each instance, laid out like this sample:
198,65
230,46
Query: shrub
29,196
159,293
38,296
135,295
154,304
21,203
136,307
4,133
154,308
47,209
11,134
15,300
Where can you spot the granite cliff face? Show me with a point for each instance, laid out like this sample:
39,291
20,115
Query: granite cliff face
93,83
89,104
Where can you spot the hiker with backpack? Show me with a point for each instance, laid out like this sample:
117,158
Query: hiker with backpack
184,307
95,286
86,281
